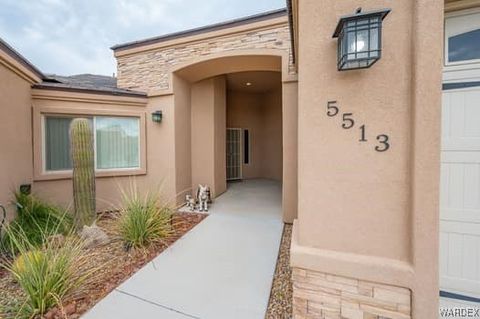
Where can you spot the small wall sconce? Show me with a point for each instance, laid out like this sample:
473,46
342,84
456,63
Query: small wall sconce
359,39
157,116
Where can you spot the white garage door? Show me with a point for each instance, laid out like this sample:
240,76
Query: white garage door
460,192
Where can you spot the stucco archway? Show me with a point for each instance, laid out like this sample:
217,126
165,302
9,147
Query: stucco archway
187,94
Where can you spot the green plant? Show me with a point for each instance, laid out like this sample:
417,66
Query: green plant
36,219
82,153
143,219
48,276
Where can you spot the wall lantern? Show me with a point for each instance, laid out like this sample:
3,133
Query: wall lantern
157,116
359,39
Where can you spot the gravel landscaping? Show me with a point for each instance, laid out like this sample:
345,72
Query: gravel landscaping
118,264
280,304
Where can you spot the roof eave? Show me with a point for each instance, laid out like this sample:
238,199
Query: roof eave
209,28
35,76
89,90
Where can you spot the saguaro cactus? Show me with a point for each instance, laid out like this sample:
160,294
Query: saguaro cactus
82,153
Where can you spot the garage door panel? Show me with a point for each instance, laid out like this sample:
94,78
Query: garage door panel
460,185
455,227
470,266
460,192
459,144
461,118
461,286
459,260
460,215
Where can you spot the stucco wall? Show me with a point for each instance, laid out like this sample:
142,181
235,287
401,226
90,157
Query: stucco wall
220,131
149,70
272,161
15,136
289,148
261,114
208,134
182,138
365,214
160,150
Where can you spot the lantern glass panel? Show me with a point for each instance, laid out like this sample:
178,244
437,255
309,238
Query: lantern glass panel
374,49
359,40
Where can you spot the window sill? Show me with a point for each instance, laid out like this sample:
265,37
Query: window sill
52,176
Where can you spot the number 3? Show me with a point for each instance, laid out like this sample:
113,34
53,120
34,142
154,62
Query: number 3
383,140
332,109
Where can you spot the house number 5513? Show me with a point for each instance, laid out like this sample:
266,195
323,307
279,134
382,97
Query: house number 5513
348,121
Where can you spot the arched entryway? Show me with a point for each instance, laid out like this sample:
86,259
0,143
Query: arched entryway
251,94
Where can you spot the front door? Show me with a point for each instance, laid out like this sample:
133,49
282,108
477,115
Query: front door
234,153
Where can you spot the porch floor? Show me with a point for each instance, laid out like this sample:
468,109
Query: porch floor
223,268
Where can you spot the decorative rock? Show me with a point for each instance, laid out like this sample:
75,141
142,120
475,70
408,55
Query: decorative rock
93,236
70,309
51,314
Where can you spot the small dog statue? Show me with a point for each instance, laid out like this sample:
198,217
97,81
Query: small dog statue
190,202
202,195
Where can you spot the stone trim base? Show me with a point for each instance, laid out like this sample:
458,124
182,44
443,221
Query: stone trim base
326,296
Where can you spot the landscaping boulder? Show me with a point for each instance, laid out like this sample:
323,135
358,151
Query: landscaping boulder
93,236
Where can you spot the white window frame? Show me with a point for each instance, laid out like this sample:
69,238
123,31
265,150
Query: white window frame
94,119
465,28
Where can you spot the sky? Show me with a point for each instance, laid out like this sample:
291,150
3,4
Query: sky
68,37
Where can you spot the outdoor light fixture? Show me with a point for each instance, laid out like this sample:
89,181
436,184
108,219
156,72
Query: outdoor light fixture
157,116
359,39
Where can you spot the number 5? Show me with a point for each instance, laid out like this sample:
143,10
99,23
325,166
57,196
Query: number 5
332,109
348,122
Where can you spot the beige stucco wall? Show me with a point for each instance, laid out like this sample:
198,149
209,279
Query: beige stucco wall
208,118
159,147
261,114
364,214
220,127
289,148
272,162
16,135
182,138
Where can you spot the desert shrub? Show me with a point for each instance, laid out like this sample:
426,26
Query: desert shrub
50,275
37,220
143,219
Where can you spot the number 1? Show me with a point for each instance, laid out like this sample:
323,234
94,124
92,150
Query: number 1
362,134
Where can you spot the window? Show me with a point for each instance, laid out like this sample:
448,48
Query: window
462,38
57,144
246,147
464,47
117,142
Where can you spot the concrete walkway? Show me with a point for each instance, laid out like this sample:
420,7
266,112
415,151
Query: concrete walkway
223,268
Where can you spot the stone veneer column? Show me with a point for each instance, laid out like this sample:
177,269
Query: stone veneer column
320,295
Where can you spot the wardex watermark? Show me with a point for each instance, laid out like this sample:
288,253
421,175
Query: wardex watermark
459,312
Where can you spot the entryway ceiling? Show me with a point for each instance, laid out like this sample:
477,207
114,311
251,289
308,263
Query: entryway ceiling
260,81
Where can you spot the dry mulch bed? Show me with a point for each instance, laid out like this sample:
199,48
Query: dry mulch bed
125,264
280,304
